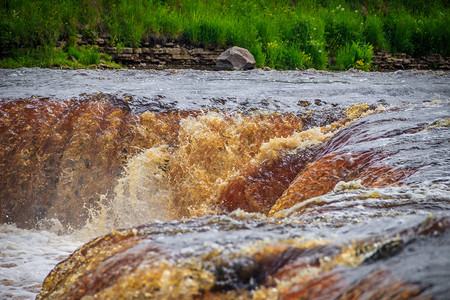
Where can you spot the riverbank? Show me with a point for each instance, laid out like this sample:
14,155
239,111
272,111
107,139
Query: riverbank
287,35
165,53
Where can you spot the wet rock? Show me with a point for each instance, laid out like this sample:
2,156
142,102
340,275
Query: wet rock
333,164
257,188
235,58
99,265
152,262
321,176
303,103
379,284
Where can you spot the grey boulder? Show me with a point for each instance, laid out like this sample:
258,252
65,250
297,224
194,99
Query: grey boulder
235,58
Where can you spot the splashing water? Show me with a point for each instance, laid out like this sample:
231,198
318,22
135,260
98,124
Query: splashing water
349,179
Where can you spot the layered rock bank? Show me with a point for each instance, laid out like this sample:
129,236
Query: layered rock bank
158,53
162,53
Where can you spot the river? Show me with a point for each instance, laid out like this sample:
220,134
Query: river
253,184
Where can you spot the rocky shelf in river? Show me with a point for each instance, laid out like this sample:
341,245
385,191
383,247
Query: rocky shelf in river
225,185
225,257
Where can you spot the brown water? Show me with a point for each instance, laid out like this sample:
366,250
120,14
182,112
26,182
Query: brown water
252,184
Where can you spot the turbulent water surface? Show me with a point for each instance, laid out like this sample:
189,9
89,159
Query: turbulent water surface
196,184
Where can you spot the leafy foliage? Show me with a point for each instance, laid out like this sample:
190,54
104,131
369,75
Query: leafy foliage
354,55
280,34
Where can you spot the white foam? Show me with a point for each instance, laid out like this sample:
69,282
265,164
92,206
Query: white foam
26,257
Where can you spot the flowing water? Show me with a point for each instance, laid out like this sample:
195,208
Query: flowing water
255,184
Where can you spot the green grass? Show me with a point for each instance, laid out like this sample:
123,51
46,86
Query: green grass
281,34
354,55
85,56
51,57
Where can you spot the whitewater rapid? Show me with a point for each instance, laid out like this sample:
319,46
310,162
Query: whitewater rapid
27,256
411,99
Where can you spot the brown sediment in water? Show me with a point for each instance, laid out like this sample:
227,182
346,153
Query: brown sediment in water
60,157
63,158
213,147
259,185
57,155
73,160
131,264
322,175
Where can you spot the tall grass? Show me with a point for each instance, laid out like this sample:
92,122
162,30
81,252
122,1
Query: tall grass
83,55
354,55
374,34
282,34
48,57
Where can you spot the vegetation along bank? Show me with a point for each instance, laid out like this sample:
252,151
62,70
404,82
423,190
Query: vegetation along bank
336,35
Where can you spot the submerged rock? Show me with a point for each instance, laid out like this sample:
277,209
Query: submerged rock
235,58
321,176
257,187
183,259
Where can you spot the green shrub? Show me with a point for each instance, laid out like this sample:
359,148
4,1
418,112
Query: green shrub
307,32
273,54
85,56
374,32
44,57
343,27
50,57
355,55
259,55
317,53
207,32
265,30
284,55
74,53
90,56
400,28
432,35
